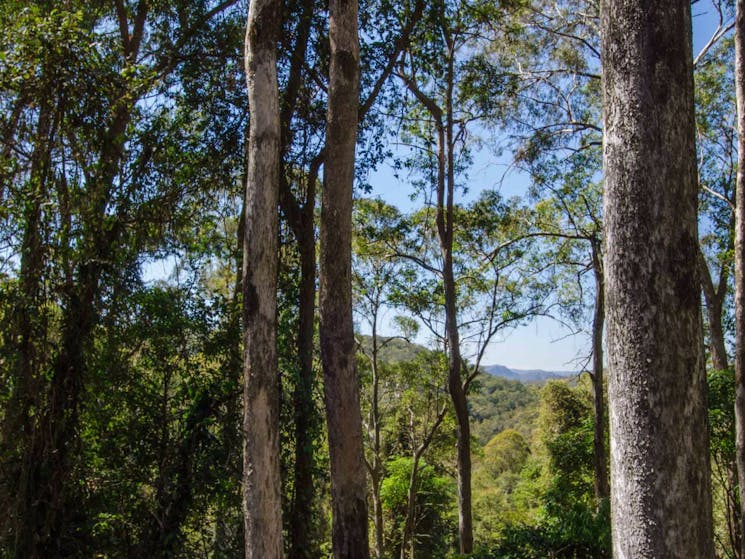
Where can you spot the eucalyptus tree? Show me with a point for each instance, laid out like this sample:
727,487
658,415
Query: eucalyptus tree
304,91
661,498
495,289
341,389
432,72
740,257
557,133
262,505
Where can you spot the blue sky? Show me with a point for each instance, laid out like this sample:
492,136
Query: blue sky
544,343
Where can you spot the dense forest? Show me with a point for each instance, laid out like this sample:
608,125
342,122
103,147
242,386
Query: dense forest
223,334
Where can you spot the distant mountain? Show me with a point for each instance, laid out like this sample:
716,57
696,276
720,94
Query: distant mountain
395,350
531,375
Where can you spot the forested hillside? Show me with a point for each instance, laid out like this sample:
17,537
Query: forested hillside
496,404
223,221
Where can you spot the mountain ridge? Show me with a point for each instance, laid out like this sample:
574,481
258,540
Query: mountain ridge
525,375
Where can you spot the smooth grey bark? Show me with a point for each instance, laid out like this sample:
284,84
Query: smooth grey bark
740,261
262,504
341,385
660,474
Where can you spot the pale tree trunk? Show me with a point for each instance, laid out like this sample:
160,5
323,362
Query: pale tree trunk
341,386
262,506
740,261
660,474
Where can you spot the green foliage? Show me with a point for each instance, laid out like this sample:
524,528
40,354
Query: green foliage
544,492
435,517
721,394
725,489
162,430
121,171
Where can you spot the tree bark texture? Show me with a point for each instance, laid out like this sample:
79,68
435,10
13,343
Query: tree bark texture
740,261
341,386
262,505
660,474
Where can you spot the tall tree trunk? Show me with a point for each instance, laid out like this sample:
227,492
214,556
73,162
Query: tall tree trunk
301,219
22,426
460,405
262,503
660,473
600,458
341,386
376,473
301,514
445,229
407,536
740,260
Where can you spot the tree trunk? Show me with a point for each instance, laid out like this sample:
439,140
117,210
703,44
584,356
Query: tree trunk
660,473
460,405
714,300
301,515
407,536
740,260
600,458
377,466
341,385
262,505
445,227
21,428
301,219
376,480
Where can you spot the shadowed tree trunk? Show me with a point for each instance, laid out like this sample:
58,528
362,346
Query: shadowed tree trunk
300,216
445,232
600,457
341,386
262,505
660,474
740,260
